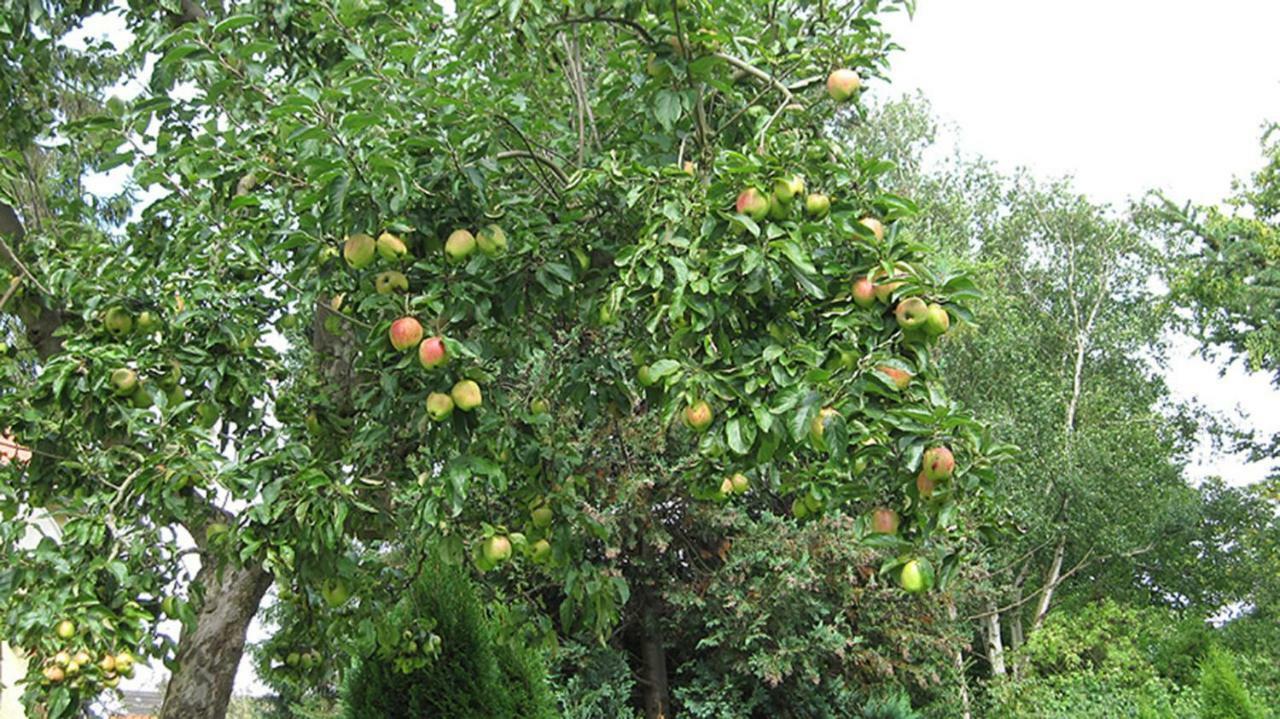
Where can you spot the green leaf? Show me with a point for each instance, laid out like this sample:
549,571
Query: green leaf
233,23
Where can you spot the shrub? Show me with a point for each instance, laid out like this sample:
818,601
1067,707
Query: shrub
1222,694
471,677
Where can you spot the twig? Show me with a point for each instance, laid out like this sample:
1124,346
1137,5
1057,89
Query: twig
13,257
629,24
510,154
13,287
1035,595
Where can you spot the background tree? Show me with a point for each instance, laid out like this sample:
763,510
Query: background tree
220,379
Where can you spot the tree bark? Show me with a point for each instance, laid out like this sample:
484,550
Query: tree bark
209,653
1050,584
957,659
995,644
657,699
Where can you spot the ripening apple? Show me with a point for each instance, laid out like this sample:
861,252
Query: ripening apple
864,292
496,549
62,658
924,485
118,322
460,245
787,187
65,629
359,250
387,282
817,205
939,463
913,577
54,674
818,426
466,395
698,416
875,226
390,247
740,483
439,406
432,352
753,204
492,241
884,521
405,332
124,382
541,517
843,84
938,321
124,663
900,377
912,313
726,487
107,664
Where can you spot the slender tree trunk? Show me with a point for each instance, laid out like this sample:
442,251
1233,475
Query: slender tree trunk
957,659
209,653
1050,584
995,644
657,699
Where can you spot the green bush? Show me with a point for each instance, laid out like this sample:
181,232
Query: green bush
894,706
472,676
1222,694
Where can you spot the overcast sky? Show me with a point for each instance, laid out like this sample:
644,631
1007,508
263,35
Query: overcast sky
1126,96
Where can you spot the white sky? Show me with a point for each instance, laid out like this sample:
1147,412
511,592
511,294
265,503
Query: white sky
1124,95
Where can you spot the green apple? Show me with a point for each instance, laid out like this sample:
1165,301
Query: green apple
118,322
390,247
466,395
496,549
788,187
147,322
359,250
66,629
818,426
912,313
817,205
335,592
740,483
460,245
387,282
938,321
541,517
913,577
492,241
540,551
439,406
698,416
876,227
124,382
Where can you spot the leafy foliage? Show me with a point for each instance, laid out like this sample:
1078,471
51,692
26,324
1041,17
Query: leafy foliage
1222,695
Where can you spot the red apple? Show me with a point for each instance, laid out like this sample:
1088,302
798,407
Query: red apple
432,352
843,84
405,333
864,292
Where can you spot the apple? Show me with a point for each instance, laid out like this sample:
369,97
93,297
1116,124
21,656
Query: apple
124,382
799,509
124,663
54,674
689,167
492,241
787,187
170,379
657,69
496,549
387,282
432,352
107,664
293,659
111,682
118,322
726,487
538,406
912,313
938,321
142,398
439,406
540,551
460,245
818,426
334,591
72,669
740,483
900,377
864,292
466,395
817,205
924,485
939,463
644,375
698,416
752,204
885,290
65,629
147,322
778,209
843,84
359,250
391,247
884,521
875,226
912,577
62,658
405,332
541,517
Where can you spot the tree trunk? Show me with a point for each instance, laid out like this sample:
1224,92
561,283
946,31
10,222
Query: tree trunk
1051,579
995,644
657,700
209,653
957,658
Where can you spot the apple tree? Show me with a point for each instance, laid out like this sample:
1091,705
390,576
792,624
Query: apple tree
555,290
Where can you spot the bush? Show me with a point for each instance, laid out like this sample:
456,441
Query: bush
471,677
1222,694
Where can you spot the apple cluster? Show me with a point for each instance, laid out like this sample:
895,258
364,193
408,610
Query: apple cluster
126,384
79,668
